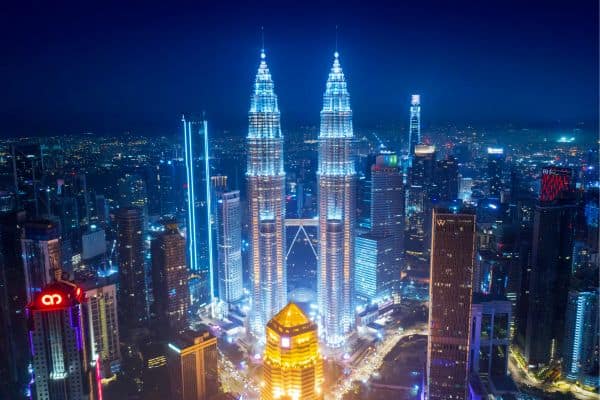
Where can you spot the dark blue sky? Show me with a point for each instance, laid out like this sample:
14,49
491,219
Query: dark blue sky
111,67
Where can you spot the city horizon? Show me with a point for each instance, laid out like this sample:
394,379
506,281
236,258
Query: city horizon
111,79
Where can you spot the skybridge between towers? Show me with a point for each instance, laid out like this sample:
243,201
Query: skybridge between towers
301,223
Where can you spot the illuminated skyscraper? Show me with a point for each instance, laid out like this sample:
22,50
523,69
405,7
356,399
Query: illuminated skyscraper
266,179
551,256
418,206
41,255
132,280
387,198
450,293
198,203
26,160
170,280
414,131
292,365
337,210
101,304
58,344
581,335
495,169
229,246
192,364
377,271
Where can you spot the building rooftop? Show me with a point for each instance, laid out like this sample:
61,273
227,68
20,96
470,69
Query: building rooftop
291,320
291,316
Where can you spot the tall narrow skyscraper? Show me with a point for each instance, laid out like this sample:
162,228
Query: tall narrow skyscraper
414,131
103,326
132,281
418,207
198,203
581,333
266,179
337,210
495,168
229,246
170,280
59,346
551,256
450,291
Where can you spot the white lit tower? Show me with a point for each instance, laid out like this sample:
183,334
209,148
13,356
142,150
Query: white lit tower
266,180
337,210
414,132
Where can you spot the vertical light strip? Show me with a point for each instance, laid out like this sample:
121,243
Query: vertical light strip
190,194
208,216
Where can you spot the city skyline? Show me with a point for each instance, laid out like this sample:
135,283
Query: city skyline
200,235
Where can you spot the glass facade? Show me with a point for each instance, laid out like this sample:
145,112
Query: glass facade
266,200
337,210
452,259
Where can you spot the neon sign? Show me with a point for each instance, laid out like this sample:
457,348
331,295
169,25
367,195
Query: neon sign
53,299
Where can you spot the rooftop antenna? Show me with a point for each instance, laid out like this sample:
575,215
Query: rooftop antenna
262,36
336,38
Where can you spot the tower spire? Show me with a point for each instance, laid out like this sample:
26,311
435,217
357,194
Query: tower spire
262,37
336,41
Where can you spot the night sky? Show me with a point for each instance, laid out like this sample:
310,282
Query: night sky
114,67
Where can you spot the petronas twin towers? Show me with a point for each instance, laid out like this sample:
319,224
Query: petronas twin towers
266,197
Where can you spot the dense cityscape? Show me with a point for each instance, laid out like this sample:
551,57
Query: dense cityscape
331,259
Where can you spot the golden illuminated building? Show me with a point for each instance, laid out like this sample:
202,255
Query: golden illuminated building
293,366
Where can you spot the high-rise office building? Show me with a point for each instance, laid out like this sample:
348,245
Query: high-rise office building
198,204
387,222
27,173
377,271
450,291
337,210
132,279
266,201
169,202
387,198
446,179
414,130
103,326
581,335
170,280
133,192
549,278
59,344
192,364
495,169
292,363
41,251
364,185
229,246
418,206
